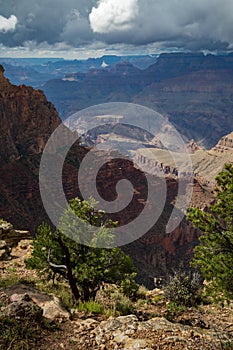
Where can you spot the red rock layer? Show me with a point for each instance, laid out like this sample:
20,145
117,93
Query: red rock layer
27,120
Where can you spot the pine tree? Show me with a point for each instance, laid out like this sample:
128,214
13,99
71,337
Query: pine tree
214,255
85,267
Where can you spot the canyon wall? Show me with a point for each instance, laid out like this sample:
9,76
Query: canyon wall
27,120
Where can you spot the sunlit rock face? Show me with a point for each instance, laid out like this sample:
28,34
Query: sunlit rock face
27,120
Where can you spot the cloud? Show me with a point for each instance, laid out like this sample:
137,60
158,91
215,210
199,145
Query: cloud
182,24
8,24
48,21
77,29
111,15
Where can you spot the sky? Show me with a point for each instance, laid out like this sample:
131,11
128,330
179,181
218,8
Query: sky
91,28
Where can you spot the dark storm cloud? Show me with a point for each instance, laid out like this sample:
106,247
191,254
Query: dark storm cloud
185,23
48,21
199,24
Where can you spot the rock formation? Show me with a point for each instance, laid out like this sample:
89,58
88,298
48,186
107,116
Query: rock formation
48,306
207,164
27,120
11,236
5,251
224,146
193,90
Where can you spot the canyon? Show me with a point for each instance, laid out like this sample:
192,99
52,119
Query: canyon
192,89
27,120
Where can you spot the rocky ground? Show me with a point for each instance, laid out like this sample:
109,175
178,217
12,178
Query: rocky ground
151,327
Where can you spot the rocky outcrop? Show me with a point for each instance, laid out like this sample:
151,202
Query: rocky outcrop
224,146
127,332
21,307
11,236
27,120
48,306
193,147
206,164
5,251
193,90
4,83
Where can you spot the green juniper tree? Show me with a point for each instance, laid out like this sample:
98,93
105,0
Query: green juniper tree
214,255
85,267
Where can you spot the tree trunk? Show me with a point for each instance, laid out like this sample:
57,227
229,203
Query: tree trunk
71,279
89,290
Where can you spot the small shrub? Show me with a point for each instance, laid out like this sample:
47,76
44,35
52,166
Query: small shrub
91,306
174,310
23,333
124,306
184,289
141,293
9,281
128,286
121,304
157,298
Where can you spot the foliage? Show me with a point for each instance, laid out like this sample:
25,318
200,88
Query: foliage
128,286
61,290
23,333
86,267
124,306
183,289
214,255
9,280
174,310
92,306
141,293
121,305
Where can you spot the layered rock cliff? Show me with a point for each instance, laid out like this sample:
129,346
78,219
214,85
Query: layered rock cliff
207,164
11,236
225,145
27,120
194,90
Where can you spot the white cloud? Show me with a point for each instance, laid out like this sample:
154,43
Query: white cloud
183,24
111,15
8,24
189,24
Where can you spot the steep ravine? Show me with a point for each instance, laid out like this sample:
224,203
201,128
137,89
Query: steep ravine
27,120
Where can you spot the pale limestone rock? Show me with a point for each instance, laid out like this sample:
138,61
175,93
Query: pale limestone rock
12,236
52,307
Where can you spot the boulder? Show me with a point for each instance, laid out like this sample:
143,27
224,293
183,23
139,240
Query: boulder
11,236
22,306
52,306
25,244
5,251
118,329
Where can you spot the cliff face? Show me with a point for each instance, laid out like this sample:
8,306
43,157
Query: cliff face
193,90
225,145
27,120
